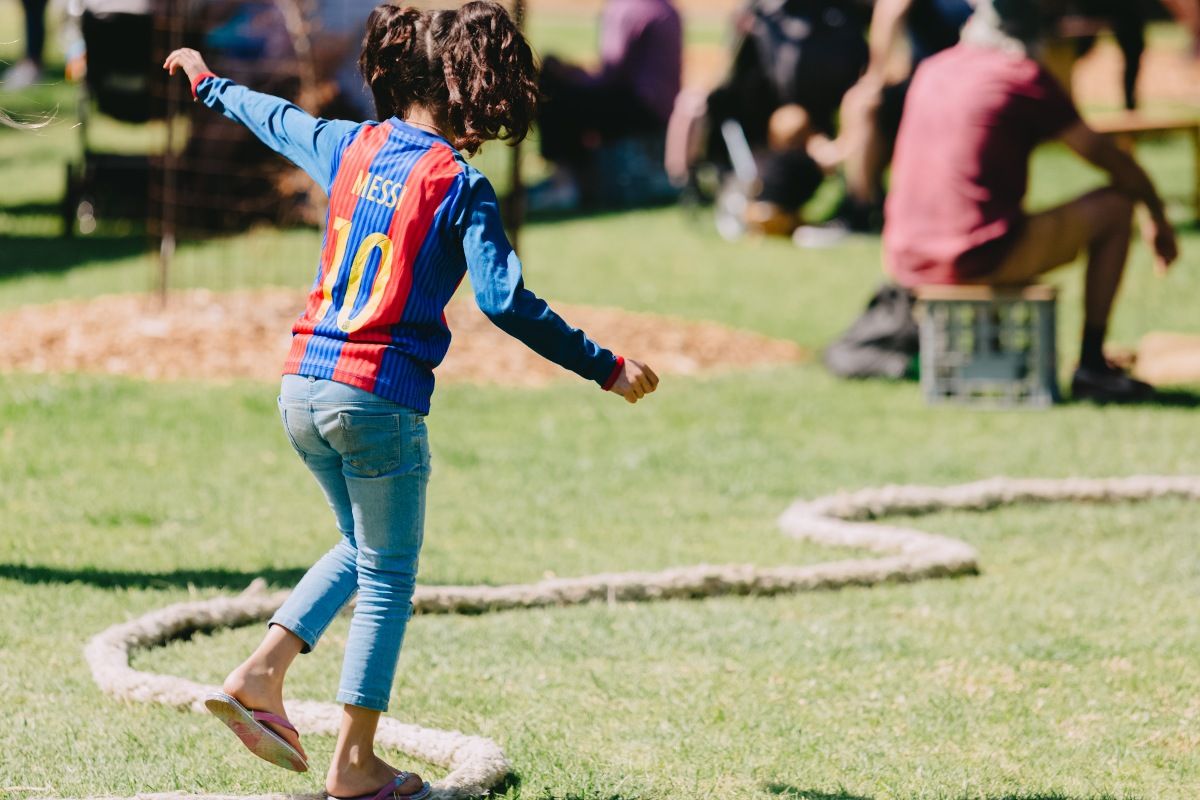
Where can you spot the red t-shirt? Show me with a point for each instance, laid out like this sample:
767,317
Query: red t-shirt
971,120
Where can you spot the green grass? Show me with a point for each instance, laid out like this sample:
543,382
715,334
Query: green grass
1067,667
1066,671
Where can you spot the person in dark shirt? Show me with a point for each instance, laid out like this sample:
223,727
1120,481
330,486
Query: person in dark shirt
791,67
871,110
974,114
633,92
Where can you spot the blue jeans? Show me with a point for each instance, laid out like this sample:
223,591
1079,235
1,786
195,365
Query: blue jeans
371,458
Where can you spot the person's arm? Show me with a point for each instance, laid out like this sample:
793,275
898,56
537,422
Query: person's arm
887,25
862,100
308,142
501,295
1128,177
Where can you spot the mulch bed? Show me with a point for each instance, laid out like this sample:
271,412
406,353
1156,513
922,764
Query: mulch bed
203,335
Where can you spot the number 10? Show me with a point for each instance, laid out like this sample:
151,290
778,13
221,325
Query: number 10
341,231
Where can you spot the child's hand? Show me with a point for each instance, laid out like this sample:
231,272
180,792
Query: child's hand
187,60
635,381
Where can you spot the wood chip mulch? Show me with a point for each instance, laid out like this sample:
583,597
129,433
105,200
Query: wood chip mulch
203,335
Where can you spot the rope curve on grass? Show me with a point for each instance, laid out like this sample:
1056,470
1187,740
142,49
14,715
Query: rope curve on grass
475,764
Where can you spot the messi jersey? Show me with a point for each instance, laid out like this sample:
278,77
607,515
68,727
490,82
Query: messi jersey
408,218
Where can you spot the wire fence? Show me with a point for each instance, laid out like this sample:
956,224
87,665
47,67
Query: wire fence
219,210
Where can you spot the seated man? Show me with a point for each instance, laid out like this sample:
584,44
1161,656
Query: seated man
974,114
641,52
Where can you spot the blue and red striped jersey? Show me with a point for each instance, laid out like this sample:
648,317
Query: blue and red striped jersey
408,218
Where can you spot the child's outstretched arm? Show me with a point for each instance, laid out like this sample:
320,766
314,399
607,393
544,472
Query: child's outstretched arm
501,294
308,142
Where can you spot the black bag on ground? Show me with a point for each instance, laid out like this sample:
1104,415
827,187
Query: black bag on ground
882,343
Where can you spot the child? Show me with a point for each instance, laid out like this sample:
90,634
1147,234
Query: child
407,218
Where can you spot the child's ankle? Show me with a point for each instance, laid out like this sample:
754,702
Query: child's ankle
254,674
354,759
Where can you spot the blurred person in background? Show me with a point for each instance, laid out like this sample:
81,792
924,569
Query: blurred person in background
1187,12
336,46
871,112
792,63
974,114
1127,20
631,94
26,72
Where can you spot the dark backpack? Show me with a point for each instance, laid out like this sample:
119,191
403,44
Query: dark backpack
882,343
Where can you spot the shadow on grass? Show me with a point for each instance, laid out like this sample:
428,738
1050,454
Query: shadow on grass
32,209
794,793
1163,398
593,214
1175,398
178,579
27,255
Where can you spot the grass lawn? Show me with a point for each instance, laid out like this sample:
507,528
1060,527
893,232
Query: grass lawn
1066,671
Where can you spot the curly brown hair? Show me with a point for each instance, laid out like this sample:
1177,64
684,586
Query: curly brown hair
471,67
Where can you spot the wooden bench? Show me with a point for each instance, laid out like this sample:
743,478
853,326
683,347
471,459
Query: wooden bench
1129,126
985,345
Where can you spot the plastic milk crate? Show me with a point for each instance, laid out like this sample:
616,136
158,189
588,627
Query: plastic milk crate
988,345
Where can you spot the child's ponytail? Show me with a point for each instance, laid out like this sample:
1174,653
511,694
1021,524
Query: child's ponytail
490,77
401,58
471,66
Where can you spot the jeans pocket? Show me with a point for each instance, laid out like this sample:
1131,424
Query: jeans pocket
374,444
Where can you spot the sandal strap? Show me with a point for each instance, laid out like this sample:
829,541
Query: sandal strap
390,789
274,719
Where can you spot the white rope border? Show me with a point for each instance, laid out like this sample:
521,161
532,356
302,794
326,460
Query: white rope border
476,763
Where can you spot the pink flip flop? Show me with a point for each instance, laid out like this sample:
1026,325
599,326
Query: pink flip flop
391,791
249,726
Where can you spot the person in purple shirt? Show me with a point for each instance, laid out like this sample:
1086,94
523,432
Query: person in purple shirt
632,93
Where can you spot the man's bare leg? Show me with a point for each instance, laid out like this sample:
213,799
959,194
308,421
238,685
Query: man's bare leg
1100,222
1108,252
1107,255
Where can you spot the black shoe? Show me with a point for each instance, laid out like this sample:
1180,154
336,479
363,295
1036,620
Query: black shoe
1109,384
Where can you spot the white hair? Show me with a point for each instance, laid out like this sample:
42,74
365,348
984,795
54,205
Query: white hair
985,28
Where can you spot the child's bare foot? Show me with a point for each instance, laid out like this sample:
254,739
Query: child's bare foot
355,780
257,689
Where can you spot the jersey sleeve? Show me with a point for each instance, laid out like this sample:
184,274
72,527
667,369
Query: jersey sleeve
307,141
500,291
